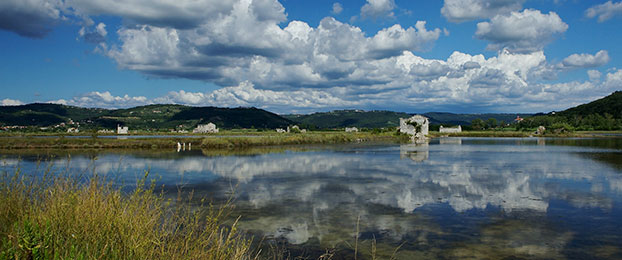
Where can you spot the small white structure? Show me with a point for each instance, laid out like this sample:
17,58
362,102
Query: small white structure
73,130
105,131
351,129
417,126
122,130
281,130
450,129
204,129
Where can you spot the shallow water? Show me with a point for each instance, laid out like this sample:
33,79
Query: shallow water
452,198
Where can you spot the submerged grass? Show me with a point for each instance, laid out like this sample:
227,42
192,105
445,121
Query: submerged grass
70,218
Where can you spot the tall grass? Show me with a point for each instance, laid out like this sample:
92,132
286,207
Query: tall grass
293,139
260,139
71,218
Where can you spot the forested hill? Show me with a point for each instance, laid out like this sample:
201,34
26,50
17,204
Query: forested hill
343,118
601,114
611,105
378,119
152,117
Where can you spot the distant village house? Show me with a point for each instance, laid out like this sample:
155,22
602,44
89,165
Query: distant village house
351,129
105,131
73,130
449,130
281,130
122,130
209,128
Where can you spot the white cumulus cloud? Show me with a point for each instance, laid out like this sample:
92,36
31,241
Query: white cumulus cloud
585,60
247,95
103,100
594,75
11,102
526,31
604,11
467,10
378,8
337,8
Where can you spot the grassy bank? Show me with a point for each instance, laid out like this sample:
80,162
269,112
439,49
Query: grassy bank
483,134
266,139
68,218
492,133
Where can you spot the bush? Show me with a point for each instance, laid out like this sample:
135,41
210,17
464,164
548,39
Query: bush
561,128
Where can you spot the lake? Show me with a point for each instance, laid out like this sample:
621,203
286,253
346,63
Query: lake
536,198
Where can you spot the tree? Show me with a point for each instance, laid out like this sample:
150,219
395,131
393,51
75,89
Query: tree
477,124
491,123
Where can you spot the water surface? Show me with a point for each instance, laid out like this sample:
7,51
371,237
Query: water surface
453,198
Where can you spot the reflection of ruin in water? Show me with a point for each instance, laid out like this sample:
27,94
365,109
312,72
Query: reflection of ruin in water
450,140
416,152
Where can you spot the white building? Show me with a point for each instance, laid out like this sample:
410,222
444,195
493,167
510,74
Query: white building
450,129
122,130
204,129
416,126
351,129
73,130
105,131
281,130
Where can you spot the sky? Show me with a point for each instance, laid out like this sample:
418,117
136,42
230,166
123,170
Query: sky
303,56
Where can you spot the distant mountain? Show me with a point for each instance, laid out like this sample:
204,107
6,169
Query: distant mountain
611,105
343,118
45,114
233,117
442,118
142,117
378,119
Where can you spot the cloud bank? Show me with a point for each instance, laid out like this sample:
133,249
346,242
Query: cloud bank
477,86
262,59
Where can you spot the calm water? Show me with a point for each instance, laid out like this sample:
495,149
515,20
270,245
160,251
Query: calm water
452,198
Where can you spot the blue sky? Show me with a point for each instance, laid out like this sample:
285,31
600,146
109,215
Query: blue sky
301,56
